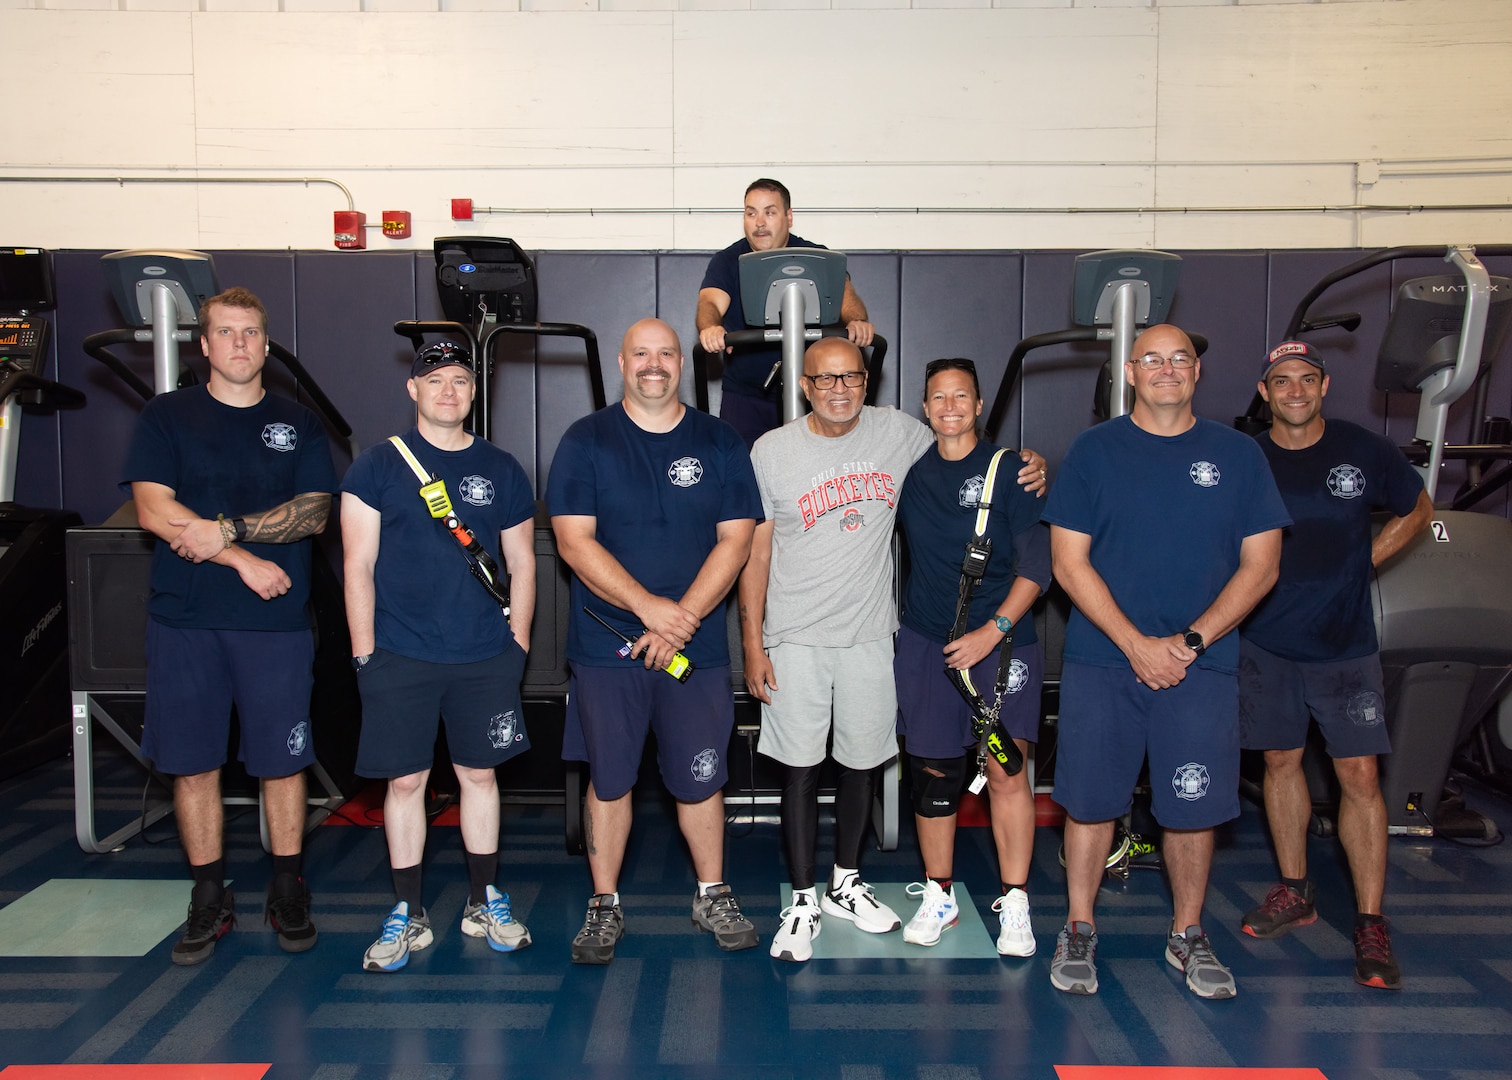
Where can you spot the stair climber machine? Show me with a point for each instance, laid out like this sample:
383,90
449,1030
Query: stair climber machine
158,294
1443,606
33,593
487,288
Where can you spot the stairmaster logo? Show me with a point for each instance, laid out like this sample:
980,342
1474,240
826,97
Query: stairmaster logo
34,635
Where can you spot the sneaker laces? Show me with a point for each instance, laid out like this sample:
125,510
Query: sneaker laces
204,919
600,919
1017,914
393,928
498,909
942,901
1076,945
1281,898
1199,951
724,908
290,910
1373,942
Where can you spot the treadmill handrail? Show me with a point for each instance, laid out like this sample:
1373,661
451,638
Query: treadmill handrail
22,383
94,345
772,335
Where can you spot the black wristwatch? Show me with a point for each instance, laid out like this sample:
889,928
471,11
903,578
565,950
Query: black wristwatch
1194,641
240,526
360,662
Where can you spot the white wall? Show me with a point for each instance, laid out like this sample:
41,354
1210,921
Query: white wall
859,105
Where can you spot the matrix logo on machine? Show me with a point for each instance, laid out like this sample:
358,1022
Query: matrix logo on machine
1018,676
299,738
1204,474
685,472
1346,481
971,492
477,490
503,730
280,437
1191,781
705,765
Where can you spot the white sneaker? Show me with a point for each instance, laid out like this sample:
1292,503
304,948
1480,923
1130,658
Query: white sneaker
937,913
798,928
403,934
853,900
1015,934
492,920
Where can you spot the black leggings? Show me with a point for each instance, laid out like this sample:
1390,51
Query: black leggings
800,818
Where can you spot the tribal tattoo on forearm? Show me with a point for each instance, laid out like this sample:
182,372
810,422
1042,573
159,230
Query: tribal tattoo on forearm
301,516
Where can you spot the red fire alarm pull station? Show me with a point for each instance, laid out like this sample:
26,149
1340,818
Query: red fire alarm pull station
351,230
396,224
461,209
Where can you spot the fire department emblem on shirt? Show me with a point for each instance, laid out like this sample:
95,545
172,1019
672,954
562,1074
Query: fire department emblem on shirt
852,520
1191,781
280,437
299,738
1204,474
477,490
971,491
503,730
685,472
1346,481
705,765
1018,676
1366,709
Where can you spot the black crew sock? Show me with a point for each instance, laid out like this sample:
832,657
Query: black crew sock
943,882
209,882
1296,885
1024,888
407,887
481,871
800,823
286,872
1363,920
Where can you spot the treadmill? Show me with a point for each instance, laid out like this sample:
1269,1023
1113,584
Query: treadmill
34,632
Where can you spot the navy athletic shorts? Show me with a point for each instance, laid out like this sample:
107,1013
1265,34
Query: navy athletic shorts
934,719
403,699
1109,722
194,676
1277,695
610,710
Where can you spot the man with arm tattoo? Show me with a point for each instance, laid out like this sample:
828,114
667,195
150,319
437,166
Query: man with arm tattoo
233,481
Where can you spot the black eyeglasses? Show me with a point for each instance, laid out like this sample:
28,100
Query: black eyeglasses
443,353
826,379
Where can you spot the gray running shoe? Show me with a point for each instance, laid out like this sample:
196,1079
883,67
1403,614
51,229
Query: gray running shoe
1074,966
402,934
1192,954
718,911
601,931
492,921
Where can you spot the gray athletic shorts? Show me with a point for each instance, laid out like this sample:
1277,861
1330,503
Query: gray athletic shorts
853,686
1277,695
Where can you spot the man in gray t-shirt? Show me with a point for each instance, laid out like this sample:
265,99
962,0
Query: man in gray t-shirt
817,615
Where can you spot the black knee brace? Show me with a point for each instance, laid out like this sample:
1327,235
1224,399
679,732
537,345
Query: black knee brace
934,795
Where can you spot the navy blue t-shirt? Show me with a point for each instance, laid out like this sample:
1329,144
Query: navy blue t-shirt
1320,608
658,499
220,459
1167,516
937,513
745,369
428,605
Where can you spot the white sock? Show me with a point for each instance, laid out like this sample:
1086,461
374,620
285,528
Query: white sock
809,895
705,886
839,874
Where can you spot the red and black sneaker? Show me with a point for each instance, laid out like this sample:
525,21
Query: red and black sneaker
1283,910
1374,963
208,923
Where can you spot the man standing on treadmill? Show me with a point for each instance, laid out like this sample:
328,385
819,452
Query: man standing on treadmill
1310,647
233,481
752,399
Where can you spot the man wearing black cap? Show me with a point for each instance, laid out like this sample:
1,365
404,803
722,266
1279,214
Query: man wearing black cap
431,637
1309,648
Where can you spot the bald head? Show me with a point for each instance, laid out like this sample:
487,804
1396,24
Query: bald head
1162,338
650,331
826,353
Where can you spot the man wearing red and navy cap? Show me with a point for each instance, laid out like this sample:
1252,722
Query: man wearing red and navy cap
1309,649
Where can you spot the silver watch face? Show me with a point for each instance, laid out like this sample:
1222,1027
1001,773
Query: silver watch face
1003,624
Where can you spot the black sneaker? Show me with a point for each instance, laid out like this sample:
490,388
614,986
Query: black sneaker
1282,911
290,916
207,924
718,912
601,931
1374,963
